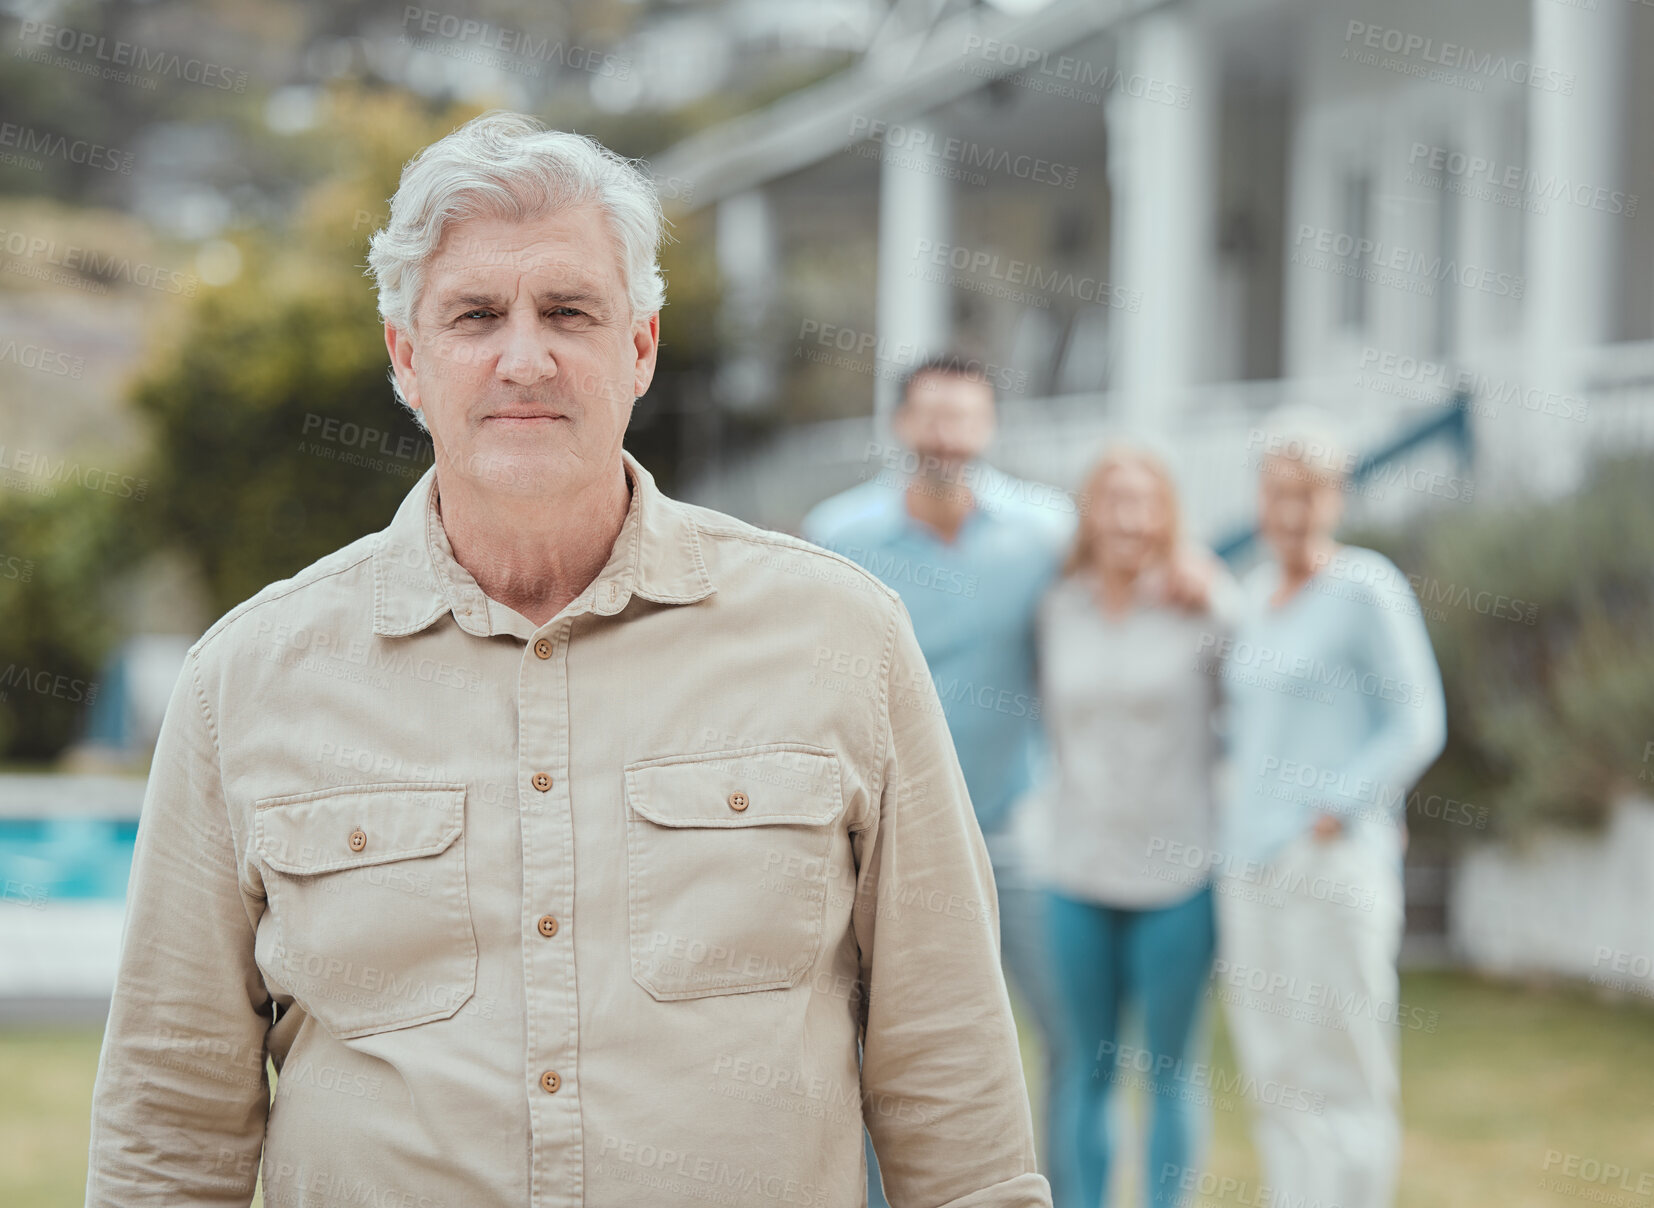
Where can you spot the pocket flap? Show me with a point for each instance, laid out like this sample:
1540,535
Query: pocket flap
350,827
774,784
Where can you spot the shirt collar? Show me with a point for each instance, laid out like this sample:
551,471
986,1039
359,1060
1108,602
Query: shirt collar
416,578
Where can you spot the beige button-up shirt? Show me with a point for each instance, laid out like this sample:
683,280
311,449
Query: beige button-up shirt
585,913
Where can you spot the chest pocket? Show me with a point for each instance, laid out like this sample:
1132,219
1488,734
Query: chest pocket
366,889
728,864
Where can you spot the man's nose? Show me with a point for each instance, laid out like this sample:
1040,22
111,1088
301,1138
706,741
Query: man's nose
526,356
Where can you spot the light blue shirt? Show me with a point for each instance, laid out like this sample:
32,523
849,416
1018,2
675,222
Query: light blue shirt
973,602
1335,705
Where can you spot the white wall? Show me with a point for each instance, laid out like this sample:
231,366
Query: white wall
1354,117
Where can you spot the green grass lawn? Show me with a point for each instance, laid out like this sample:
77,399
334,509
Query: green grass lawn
1514,1083
1511,1078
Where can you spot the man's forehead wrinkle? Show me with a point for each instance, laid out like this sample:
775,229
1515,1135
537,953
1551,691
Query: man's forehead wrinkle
486,271
561,274
485,258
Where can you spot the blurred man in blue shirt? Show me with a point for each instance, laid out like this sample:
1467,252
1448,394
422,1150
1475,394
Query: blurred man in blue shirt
971,551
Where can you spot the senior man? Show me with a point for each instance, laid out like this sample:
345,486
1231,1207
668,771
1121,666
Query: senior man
649,815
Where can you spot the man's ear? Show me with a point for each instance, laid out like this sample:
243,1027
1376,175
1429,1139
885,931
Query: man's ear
400,345
646,346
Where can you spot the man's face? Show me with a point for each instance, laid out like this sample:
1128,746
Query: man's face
1299,506
525,359
947,417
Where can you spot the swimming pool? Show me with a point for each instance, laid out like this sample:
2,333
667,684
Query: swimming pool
44,860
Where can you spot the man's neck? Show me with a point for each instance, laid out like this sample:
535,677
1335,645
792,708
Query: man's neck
1295,574
534,554
940,502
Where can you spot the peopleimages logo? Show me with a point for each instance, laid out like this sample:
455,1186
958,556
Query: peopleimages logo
36,472
962,153
1428,376
1024,273
892,360
1310,671
117,53
30,141
46,683
509,43
94,264
45,360
1065,75
1162,1071
1417,54
1188,863
1235,1191
1394,265
1595,1170
1461,166
894,568
1335,1006
1362,797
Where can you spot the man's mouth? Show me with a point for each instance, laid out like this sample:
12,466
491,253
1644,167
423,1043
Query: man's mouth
527,417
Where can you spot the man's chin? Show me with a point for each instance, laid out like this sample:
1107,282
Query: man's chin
518,461
1295,554
944,465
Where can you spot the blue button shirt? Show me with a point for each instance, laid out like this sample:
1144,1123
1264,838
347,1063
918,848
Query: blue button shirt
973,602
1335,705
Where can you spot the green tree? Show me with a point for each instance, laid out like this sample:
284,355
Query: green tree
1542,618
62,557
275,435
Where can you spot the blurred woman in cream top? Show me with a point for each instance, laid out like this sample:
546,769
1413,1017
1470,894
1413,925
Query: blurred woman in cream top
1130,694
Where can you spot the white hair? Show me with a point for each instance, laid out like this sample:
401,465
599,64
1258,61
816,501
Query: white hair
508,165
1308,435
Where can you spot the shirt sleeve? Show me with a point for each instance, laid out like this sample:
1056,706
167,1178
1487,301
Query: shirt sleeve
181,1097
1408,709
943,1091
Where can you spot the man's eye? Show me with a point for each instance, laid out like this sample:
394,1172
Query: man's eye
565,310
470,314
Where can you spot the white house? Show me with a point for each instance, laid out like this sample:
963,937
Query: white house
1167,216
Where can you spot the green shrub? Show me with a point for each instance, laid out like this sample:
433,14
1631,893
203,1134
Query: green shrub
62,556
1551,693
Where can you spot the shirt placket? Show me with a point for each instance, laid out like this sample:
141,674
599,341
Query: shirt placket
550,1069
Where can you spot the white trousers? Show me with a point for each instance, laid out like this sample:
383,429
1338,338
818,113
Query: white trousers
1306,970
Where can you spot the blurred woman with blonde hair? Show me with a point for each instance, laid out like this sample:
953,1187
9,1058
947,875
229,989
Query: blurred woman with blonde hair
1130,704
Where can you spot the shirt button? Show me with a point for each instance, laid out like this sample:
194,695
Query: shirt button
543,648
738,801
542,782
358,839
548,925
549,1082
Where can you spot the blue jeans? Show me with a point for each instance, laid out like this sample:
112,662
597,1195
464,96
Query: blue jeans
1106,960
1025,957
